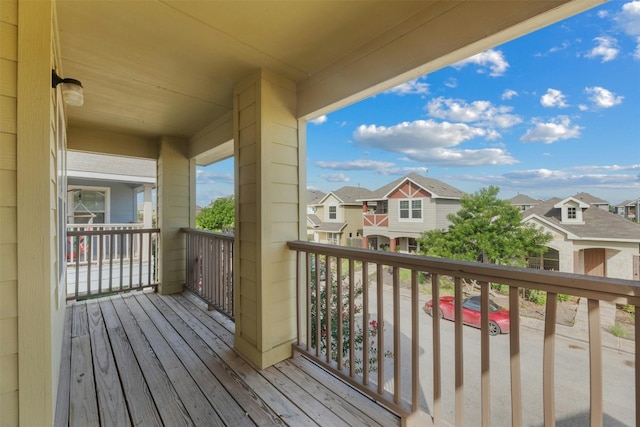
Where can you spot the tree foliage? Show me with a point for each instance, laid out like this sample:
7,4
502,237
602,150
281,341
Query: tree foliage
485,229
218,215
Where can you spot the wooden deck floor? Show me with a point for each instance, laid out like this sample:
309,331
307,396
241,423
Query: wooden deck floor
144,359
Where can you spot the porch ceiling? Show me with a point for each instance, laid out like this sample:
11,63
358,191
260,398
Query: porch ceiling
168,67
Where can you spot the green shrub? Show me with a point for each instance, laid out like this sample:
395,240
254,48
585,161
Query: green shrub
535,296
501,289
619,331
563,297
628,308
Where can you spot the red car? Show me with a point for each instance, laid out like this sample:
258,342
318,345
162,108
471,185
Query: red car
498,316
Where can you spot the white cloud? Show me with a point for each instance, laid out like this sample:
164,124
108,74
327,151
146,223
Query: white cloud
557,129
583,107
603,14
319,120
371,165
508,94
492,59
482,113
553,98
412,87
610,168
451,83
602,97
206,177
606,48
629,18
431,142
335,177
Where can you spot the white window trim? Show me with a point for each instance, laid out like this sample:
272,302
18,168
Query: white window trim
337,218
411,218
107,199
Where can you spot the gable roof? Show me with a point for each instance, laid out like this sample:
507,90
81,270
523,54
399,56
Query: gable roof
588,198
578,202
349,195
598,223
314,196
438,189
523,199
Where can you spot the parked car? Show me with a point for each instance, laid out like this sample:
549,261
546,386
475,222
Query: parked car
498,316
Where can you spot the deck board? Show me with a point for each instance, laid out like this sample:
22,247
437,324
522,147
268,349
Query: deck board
144,359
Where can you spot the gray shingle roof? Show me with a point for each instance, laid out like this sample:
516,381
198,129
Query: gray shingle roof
438,189
314,196
523,199
314,219
331,227
351,195
598,223
592,200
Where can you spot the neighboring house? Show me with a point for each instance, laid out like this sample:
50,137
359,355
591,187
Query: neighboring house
338,216
523,202
105,189
628,209
395,215
313,221
592,200
586,239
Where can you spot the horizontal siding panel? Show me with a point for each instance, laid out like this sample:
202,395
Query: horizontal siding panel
248,193
8,221
248,136
248,232
284,288
8,41
8,78
8,299
249,289
284,231
285,136
247,117
247,212
284,330
248,173
284,212
9,401
247,155
8,114
285,193
284,154
8,151
8,262
9,11
248,262
247,97
285,174
8,336
9,369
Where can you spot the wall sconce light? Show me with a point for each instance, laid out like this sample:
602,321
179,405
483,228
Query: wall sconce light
71,89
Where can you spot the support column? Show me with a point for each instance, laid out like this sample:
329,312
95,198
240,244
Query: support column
269,181
175,177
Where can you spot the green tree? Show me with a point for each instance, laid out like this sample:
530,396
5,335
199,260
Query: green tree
218,215
486,229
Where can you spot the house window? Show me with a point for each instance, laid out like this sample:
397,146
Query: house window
333,212
572,213
333,238
88,205
410,210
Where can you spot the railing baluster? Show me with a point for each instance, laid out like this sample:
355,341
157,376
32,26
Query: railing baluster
130,239
415,342
485,358
89,248
548,365
140,250
327,293
595,363
317,321
308,310
121,260
339,311
380,320
514,351
636,329
397,357
437,381
365,317
352,322
459,357
298,300
111,238
100,256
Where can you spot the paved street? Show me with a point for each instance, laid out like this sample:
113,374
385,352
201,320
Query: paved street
571,371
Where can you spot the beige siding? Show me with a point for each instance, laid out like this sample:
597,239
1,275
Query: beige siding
353,217
8,215
445,207
175,176
268,212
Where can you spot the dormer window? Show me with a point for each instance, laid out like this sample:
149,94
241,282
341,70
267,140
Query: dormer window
572,212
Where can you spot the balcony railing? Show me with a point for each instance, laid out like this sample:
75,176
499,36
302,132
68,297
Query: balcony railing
210,268
349,321
107,258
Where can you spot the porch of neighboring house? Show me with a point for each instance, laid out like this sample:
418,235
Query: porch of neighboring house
140,358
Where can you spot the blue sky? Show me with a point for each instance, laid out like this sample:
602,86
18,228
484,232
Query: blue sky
552,113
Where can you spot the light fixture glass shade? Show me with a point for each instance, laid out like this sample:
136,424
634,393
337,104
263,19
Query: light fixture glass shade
72,94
